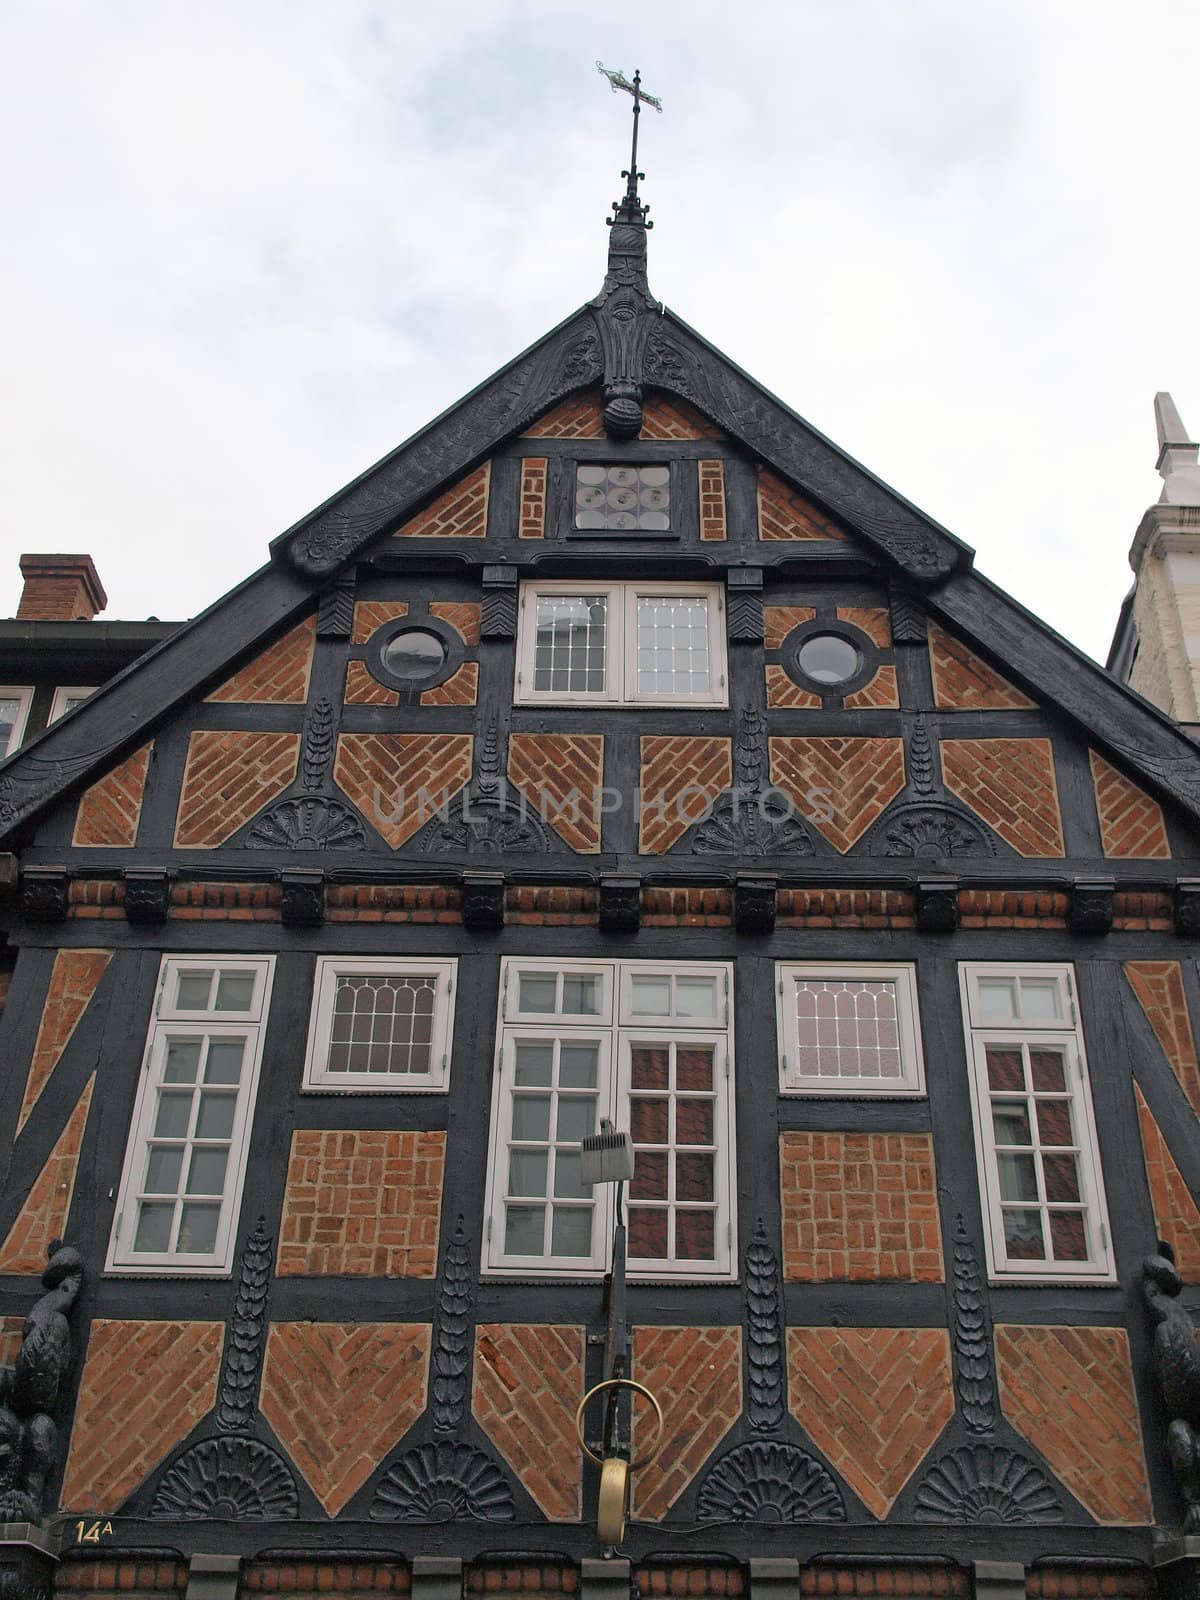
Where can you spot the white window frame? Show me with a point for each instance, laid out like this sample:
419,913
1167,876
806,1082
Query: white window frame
317,1076
170,1021
617,1030
1068,1030
620,657
911,1082
65,692
23,695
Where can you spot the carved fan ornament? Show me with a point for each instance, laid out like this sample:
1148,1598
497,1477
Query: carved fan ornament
928,833
752,819
983,1483
227,1480
443,1483
762,1482
308,823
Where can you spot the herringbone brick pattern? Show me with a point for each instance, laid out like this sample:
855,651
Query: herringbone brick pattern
782,514
560,775
531,523
680,777
1158,986
962,681
881,691
43,1217
674,419
461,688
279,676
840,786
364,690
1131,821
145,1387
398,780
362,1202
782,693
458,513
110,809
528,1382
1176,1215
340,1395
859,1206
875,622
578,417
778,622
873,1399
1069,1391
712,500
73,980
229,777
372,614
462,615
1010,784
696,1376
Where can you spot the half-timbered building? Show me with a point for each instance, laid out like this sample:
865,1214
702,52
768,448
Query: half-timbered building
617,748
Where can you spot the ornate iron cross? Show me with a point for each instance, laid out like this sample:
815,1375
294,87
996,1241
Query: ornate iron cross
618,80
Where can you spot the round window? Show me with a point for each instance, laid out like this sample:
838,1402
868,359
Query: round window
828,658
414,654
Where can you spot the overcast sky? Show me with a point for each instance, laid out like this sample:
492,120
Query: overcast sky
252,246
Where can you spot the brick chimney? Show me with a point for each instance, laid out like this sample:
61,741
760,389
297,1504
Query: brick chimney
60,589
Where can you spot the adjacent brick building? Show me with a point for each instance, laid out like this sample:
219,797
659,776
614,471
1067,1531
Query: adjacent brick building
617,748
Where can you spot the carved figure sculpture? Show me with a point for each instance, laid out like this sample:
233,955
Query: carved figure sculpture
29,1390
1177,1359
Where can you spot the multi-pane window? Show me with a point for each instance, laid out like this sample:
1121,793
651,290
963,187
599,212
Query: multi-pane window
1035,1135
184,1165
14,712
67,697
647,1046
380,1023
848,1029
624,499
622,643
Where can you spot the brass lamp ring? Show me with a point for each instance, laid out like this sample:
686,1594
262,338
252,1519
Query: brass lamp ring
648,1456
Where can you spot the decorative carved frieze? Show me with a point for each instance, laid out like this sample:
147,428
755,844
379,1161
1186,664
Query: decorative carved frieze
483,899
935,905
451,1360
908,616
934,832
237,1395
443,1482
983,1483
769,1482
765,1397
922,763
743,602
1091,909
302,898
335,609
44,894
317,750
233,1480
974,1375
147,894
620,905
309,822
1187,908
754,902
498,610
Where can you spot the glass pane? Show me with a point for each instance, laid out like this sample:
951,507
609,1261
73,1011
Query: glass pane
206,1173
235,991
153,1227
694,1067
1005,1068
694,1236
1061,1174
997,999
198,1229
581,995
571,1231
696,997
650,1066
527,1171
571,643
694,1122
174,1110
1047,1069
10,710
847,1029
224,1064
694,1177
383,1024
650,996
576,1118
649,1175
192,991
524,1231
578,1065
1010,1120
672,644
538,992
414,654
567,1184
1023,1235
163,1168
533,1064
648,1120
1054,1121
181,1061
1041,1000
828,658
1018,1177
647,1233
623,498
531,1116
1068,1235
215,1120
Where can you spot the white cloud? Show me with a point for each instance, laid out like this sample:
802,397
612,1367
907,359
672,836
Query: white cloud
257,245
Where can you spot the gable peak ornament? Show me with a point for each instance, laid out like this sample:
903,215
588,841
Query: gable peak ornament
625,309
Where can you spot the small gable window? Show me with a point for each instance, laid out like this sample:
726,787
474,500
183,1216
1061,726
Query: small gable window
380,1022
14,712
414,654
849,1029
828,658
623,499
